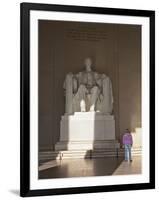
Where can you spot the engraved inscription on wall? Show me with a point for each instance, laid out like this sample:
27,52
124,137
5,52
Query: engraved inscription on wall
85,33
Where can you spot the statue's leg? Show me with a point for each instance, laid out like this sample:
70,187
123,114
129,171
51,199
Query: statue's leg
83,105
94,97
82,94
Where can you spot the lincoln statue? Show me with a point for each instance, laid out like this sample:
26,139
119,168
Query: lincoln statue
88,91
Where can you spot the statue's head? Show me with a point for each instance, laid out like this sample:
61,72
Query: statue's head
88,63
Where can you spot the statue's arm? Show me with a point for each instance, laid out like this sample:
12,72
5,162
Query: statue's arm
98,80
99,83
67,83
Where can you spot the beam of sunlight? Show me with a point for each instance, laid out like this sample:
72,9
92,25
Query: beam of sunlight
50,164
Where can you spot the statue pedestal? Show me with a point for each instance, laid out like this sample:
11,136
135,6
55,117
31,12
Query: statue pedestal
86,130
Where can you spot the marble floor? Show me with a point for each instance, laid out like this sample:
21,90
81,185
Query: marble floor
89,167
133,167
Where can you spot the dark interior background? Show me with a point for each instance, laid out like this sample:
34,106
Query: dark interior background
115,50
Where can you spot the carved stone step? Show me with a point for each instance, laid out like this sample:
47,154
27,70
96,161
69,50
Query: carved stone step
85,154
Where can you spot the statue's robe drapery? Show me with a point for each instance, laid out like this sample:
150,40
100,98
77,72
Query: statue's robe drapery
107,103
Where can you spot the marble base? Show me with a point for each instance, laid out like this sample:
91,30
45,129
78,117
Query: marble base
86,130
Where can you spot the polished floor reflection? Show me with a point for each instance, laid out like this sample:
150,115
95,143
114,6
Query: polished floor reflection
79,167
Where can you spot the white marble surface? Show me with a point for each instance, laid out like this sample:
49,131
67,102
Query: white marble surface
87,126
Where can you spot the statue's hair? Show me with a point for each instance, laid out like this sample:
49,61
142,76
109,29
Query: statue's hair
91,58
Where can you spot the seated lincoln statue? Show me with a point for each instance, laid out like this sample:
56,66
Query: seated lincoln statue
88,91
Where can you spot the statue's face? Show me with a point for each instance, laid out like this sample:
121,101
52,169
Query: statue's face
88,64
